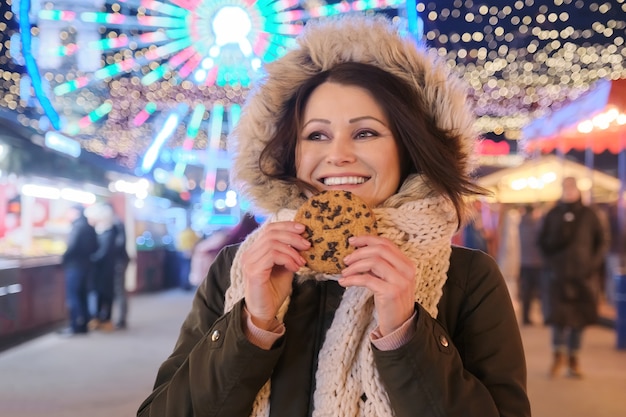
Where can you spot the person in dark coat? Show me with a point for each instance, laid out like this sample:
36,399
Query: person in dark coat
103,260
121,263
411,326
571,241
531,262
81,244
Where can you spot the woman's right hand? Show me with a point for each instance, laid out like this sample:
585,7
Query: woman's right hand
268,266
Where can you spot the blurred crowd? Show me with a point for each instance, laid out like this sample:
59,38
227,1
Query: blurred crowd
559,260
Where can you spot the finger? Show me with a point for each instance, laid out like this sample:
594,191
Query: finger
391,293
375,244
377,268
369,240
382,254
264,258
286,225
288,233
369,281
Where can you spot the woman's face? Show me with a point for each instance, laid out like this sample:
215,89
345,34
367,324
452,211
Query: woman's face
346,143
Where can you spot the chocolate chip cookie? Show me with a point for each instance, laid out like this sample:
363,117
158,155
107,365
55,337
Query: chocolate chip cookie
331,217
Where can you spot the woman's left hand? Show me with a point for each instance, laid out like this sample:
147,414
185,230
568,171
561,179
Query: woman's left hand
379,265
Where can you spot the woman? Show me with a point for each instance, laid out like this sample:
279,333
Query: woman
412,327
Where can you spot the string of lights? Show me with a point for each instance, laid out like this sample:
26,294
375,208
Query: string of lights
113,73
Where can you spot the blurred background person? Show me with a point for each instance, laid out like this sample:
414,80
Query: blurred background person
204,253
102,218
571,240
531,261
185,243
120,298
508,254
207,249
602,211
474,234
81,244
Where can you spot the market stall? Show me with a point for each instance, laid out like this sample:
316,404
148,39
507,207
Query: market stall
593,123
539,180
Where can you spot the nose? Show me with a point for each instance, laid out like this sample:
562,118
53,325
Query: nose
341,151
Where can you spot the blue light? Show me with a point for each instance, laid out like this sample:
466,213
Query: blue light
223,220
60,143
153,151
31,66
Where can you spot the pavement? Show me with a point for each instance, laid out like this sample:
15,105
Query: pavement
105,375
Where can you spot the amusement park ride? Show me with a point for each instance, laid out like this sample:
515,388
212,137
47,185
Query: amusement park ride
156,84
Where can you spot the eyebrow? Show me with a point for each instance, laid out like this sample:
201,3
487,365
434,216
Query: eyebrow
356,119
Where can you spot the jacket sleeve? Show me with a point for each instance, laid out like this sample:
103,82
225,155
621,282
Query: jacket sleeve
214,370
478,370
106,243
73,244
601,240
554,236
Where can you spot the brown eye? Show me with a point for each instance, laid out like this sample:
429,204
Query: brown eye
316,136
365,134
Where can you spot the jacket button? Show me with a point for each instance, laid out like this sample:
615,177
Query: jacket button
215,336
444,341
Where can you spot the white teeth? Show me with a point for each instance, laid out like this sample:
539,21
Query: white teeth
344,180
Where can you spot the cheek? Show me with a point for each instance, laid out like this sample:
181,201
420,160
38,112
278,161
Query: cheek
298,159
304,161
392,170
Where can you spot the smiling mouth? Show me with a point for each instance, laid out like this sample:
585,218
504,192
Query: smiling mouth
344,180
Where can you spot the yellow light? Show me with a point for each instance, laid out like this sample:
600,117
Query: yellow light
585,126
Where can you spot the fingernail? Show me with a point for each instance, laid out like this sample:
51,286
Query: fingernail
299,227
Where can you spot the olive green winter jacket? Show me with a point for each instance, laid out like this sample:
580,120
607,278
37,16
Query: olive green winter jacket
467,362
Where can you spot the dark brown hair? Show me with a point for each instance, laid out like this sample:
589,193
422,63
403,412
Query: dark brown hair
424,147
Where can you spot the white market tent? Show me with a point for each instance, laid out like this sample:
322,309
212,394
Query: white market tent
539,180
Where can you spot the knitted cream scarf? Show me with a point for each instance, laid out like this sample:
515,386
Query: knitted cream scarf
423,230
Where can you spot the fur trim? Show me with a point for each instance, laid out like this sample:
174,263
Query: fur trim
322,45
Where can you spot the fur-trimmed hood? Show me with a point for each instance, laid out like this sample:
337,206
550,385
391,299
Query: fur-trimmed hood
322,45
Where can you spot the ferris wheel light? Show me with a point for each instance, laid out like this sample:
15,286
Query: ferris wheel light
209,43
199,75
153,151
207,63
231,25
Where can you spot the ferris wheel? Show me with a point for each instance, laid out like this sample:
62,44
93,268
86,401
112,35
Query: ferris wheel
144,81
